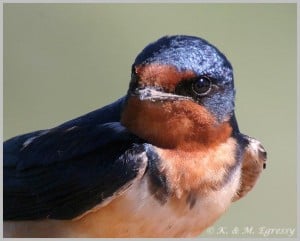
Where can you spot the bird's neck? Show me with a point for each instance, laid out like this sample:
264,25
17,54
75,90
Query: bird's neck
175,124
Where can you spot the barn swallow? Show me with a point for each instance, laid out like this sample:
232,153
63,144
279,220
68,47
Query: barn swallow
165,160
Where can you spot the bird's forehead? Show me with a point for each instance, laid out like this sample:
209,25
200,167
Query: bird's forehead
166,76
187,54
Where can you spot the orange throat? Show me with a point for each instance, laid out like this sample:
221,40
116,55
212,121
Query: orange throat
173,124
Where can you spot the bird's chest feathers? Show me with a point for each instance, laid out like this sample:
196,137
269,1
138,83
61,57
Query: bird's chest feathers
197,171
138,213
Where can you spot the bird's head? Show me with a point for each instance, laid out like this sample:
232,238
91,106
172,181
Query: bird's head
181,92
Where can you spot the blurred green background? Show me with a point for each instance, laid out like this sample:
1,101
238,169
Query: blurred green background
64,60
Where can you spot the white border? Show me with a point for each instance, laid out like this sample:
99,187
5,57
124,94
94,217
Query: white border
157,1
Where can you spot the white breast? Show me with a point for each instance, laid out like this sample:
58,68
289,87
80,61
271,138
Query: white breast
138,214
175,218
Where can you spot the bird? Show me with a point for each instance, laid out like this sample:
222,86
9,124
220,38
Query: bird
165,160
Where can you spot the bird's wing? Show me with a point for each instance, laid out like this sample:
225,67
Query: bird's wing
254,161
63,172
109,113
106,114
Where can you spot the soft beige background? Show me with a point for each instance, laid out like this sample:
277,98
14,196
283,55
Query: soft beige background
63,60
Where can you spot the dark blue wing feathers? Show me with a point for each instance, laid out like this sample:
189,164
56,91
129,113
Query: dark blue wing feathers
60,144
13,147
108,113
63,172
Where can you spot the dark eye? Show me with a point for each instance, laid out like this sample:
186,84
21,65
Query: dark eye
201,86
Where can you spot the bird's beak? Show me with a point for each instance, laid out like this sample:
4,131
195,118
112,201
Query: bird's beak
156,94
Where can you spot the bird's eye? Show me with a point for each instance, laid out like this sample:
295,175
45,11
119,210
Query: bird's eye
201,86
